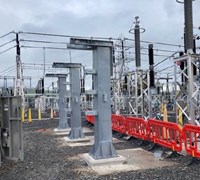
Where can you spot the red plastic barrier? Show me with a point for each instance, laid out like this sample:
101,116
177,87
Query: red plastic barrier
166,134
90,118
137,127
190,134
119,123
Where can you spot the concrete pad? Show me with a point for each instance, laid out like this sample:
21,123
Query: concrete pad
136,159
87,130
85,139
64,132
90,142
58,131
100,162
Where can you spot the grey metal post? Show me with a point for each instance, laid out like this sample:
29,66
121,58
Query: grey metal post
102,57
74,68
62,91
76,129
102,147
63,124
189,46
11,128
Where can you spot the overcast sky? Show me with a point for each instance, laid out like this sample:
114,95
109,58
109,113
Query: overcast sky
162,20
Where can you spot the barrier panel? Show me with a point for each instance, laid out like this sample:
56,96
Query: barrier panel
190,138
166,134
90,119
137,127
118,123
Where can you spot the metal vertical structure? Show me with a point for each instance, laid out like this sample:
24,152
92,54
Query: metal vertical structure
11,141
138,72
19,85
152,89
75,91
101,72
62,92
187,100
118,95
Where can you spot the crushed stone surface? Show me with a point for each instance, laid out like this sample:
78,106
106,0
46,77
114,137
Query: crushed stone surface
46,158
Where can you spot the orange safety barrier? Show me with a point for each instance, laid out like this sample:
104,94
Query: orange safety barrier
190,135
167,134
90,119
118,123
137,127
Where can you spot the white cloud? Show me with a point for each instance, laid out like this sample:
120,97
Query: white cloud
162,19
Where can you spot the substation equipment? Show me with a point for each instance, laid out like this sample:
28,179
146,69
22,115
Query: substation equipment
62,92
187,73
137,94
101,72
74,95
11,134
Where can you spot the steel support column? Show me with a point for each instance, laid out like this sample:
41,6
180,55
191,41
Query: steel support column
62,91
101,72
76,129
75,91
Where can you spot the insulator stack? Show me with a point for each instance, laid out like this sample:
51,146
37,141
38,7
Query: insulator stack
188,25
125,83
151,68
137,46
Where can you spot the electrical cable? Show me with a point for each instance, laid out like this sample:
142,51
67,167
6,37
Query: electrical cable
7,43
40,41
7,50
46,47
165,59
11,32
103,38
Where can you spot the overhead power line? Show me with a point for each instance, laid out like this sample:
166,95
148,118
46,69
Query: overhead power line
7,43
160,43
165,59
40,41
46,47
12,32
7,50
103,38
66,36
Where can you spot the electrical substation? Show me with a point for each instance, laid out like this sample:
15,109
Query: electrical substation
133,106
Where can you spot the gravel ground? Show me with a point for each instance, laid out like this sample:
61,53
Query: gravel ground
47,159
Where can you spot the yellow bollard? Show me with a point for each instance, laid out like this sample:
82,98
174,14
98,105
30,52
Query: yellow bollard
180,117
39,113
165,119
51,113
162,108
22,115
29,115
